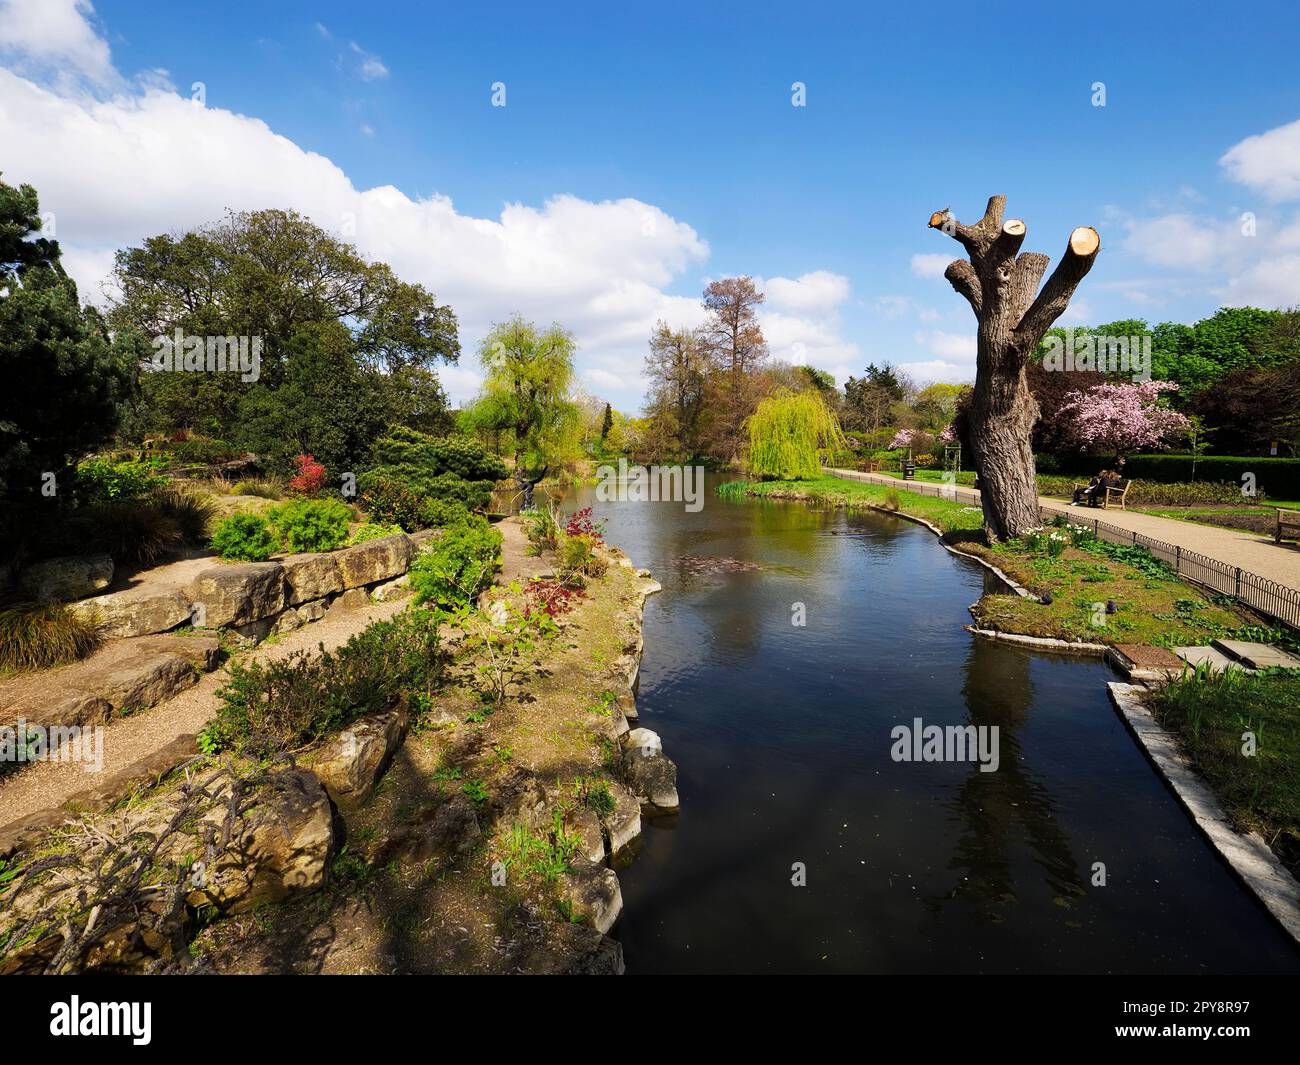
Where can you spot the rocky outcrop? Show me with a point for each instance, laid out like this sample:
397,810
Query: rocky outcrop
310,576
653,777
136,611
593,892
237,595
623,823
591,837
61,579
351,762
281,847
374,560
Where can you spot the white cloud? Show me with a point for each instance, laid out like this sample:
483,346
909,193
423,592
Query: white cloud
369,66
820,290
163,164
930,265
39,34
1271,282
1267,162
1176,240
892,306
932,370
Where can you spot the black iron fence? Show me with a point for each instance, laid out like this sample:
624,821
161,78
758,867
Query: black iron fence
1259,593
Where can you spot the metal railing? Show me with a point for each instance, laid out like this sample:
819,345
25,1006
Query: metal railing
1259,593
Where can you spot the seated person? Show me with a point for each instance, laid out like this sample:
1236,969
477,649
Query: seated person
1095,487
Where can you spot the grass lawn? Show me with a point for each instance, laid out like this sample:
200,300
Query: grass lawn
1151,606
1260,792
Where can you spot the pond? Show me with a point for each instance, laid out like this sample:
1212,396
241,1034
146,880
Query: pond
782,738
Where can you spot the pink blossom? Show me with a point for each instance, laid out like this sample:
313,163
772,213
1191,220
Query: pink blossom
902,438
1120,417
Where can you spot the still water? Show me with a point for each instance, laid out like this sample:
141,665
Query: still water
781,735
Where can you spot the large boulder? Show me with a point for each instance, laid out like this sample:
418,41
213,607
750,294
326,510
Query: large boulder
137,611
374,560
145,679
60,579
652,776
591,837
236,595
310,576
594,893
623,823
281,846
351,763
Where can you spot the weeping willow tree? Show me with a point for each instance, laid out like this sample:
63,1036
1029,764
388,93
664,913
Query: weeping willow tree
785,432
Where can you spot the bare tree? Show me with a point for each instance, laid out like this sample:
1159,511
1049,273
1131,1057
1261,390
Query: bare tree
1000,286
732,335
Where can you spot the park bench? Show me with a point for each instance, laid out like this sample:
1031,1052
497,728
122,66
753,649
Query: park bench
1288,525
1113,496
872,466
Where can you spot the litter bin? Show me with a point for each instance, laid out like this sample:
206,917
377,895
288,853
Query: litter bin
909,472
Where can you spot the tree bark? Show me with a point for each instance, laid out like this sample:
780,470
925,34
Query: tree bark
1000,282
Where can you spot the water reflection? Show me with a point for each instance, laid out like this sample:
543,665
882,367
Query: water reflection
781,736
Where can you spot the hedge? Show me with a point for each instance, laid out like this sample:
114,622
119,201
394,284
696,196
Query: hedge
1278,478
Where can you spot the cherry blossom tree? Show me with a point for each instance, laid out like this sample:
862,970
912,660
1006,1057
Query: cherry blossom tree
1120,417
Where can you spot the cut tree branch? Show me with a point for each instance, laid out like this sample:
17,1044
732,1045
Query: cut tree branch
961,275
976,239
1080,253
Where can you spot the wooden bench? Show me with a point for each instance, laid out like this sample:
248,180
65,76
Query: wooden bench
1114,495
871,466
1288,525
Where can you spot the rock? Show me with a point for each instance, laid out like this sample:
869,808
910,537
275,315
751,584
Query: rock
374,560
61,579
73,708
310,576
145,679
352,762
254,632
422,538
313,611
605,960
618,723
201,650
644,738
143,773
287,621
594,894
394,589
651,776
236,595
591,836
352,599
624,824
520,799
136,611
627,704
281,847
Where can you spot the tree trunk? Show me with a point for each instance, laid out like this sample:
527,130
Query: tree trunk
1000,287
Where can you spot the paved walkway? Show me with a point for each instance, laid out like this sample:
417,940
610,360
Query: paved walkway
1276,562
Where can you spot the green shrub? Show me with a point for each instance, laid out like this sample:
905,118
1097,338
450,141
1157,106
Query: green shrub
311,524
542,527
99,480
270,708
41,635
371,531
458,565
245,537
439,513
389,501
428,457
200,451
578,559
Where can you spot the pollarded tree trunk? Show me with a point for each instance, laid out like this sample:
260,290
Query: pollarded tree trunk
1000,286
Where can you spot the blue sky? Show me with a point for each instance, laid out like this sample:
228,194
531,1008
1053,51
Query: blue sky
668,136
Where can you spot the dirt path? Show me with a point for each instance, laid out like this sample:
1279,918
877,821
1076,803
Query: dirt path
1276,562
47,784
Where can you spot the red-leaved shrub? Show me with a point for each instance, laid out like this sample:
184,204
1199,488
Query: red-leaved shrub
310,476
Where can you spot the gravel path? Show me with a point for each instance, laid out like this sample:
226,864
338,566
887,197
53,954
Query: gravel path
48,784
